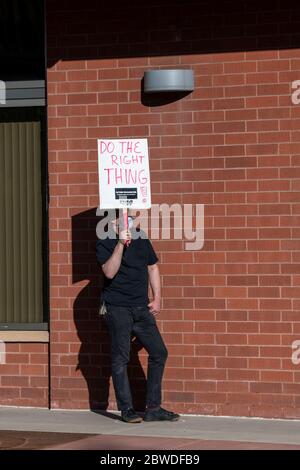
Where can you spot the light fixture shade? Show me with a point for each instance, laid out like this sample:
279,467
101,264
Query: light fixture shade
168,80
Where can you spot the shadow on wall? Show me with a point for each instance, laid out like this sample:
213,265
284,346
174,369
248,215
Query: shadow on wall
100,30
94,353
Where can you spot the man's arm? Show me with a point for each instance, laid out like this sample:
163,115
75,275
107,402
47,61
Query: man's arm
112,265
154,278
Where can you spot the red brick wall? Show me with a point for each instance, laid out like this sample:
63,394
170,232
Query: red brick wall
24,376
230,311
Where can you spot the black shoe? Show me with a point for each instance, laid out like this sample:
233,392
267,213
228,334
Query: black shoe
130,416
160,415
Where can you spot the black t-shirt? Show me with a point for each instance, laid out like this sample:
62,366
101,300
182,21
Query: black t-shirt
130,284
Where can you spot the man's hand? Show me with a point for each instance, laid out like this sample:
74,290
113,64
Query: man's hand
154,306
125,237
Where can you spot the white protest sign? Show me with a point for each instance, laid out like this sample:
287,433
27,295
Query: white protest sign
124,177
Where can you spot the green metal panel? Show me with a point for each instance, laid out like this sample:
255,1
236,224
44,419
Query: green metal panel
21,221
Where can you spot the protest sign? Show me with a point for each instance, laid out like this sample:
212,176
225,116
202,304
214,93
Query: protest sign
124,177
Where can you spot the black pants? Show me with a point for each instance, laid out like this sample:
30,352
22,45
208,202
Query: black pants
123,323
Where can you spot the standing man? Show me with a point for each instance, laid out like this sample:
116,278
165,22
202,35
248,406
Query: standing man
128,264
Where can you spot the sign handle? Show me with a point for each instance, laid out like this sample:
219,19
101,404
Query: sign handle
125,224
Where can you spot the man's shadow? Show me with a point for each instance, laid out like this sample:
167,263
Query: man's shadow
94,353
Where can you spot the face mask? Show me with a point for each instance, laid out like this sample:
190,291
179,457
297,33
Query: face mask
121,223
130,222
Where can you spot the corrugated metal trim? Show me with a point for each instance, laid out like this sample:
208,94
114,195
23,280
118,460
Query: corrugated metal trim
21,271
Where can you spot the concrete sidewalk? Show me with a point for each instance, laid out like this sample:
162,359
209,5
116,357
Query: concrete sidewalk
191,432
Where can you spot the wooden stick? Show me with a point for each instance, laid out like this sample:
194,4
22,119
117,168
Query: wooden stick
125,223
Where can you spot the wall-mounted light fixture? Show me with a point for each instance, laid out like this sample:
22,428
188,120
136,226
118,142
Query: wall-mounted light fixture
175,80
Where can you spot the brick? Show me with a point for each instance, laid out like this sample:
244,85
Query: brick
210,116
238,304
177,303
263,292
240,138
33,347
274,280
14,381
32,369
173,385
183,326
75,110
199,362
230,386
248,375
262,149
228,79
275,303
234,292
17,358
265,387
32,392
214,350
265,137
210,397
243,351
233,315
236,327
231,363
198,338
292,292
237,209
198,292
208,280
234,126
212,327
277,352
258,78
181,373
9,393
230,221
195,315
230,269
231,103
175,396
40,382
39,359
198,386
209,303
